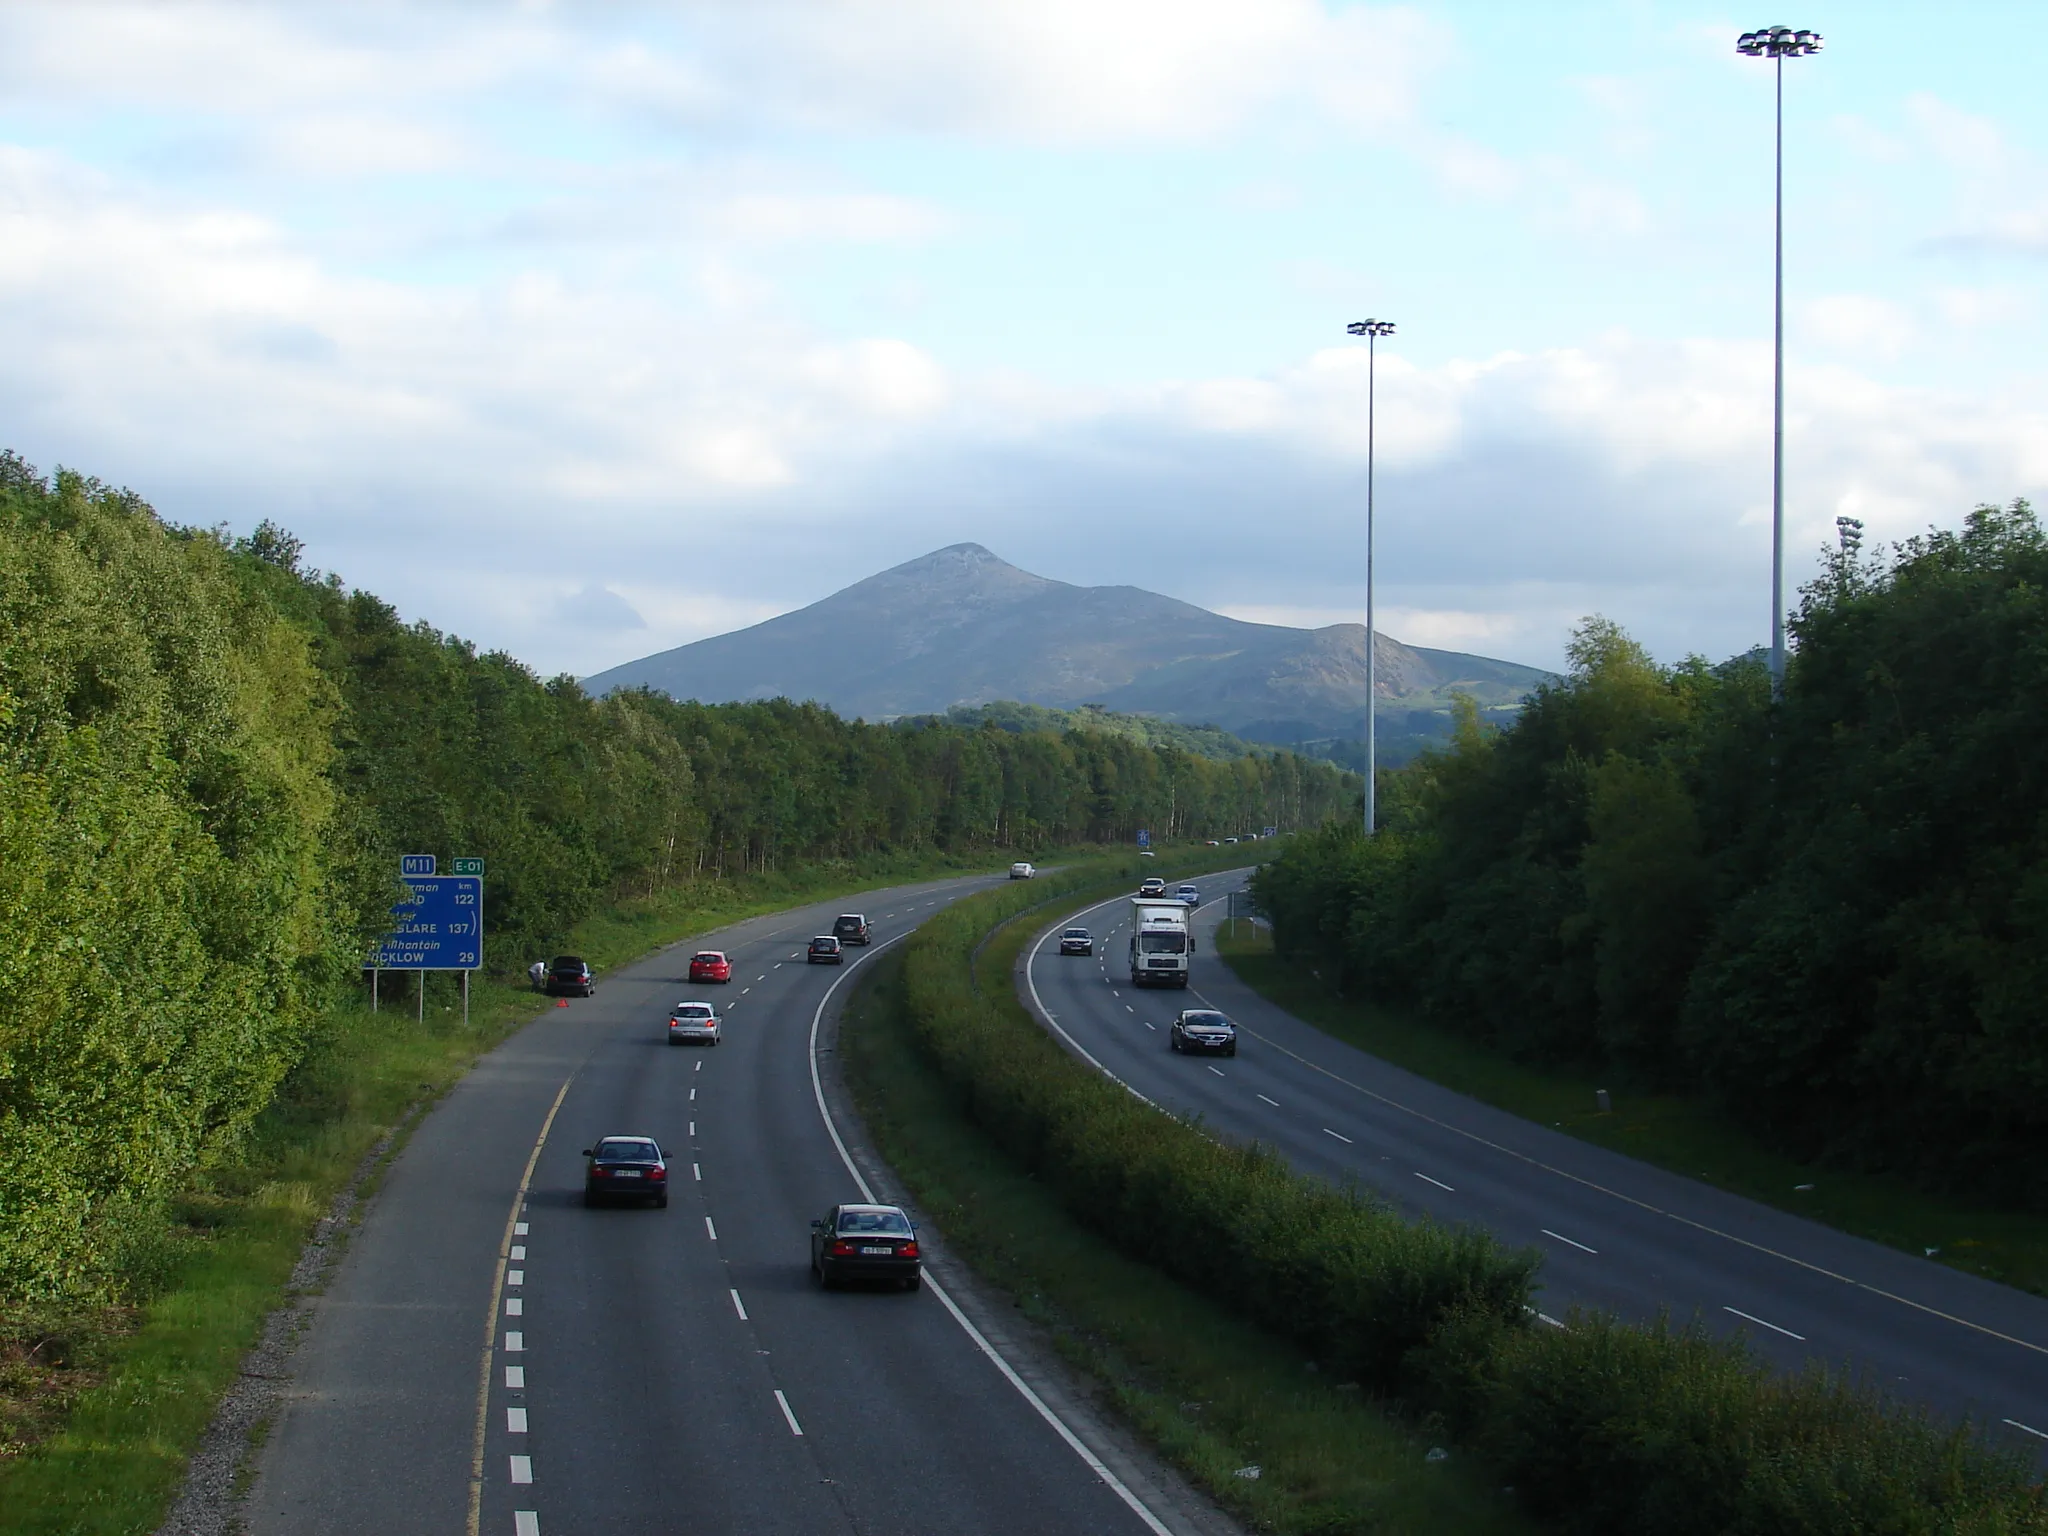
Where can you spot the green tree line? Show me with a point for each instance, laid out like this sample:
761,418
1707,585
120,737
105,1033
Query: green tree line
211,758
1830,910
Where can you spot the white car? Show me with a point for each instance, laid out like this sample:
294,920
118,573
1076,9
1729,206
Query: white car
688,1022
1021,871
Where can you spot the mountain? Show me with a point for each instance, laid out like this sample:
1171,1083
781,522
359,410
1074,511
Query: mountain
960,627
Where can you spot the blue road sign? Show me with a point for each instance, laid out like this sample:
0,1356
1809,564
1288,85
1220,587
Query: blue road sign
1144,838
438,927
416,864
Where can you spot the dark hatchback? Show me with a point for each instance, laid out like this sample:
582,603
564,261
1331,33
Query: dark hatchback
825,950
1203,1029
625,1168
568,976
865,1242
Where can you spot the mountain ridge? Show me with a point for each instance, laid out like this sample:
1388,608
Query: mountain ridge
961,627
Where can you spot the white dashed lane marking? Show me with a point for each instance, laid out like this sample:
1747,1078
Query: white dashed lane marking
514,1307
788,1417
515,1421
709,1230
1345,1139
518,1252
525,1523
1762,1324
1216,1070
515,1378
2016,1424
1274,1102
697,1172
515,1341
1151,1026
738,1305
522,1469
1439,1183
1563,1239
515,1277
519,1229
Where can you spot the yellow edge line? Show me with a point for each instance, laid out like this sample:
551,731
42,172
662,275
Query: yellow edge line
483,1381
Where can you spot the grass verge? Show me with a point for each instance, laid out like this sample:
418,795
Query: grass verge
1212,1393
1683,1135
101,1406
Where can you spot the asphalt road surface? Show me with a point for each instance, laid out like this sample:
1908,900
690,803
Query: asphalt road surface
1615,1234
492,1356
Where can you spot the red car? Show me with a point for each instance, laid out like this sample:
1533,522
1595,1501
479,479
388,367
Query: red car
710,965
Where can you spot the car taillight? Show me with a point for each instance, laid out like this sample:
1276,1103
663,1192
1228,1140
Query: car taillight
908,1251
657,1173
600,1173
841,1248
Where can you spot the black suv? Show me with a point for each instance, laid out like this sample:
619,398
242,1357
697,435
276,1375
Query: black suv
850,928
569,977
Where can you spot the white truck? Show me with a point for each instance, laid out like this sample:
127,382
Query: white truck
1161,942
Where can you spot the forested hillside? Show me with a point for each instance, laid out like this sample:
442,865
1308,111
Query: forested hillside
1831,911
210,759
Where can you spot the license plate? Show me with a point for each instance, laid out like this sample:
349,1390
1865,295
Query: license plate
871,1248
626,1173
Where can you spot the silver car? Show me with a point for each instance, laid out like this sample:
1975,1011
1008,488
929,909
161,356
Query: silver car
693,1024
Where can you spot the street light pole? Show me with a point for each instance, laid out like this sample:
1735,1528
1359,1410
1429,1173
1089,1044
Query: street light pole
1371,330
1778,44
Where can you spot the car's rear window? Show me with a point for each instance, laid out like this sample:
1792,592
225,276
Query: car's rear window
693,1011
709,957
825,943
627,1152
887,1223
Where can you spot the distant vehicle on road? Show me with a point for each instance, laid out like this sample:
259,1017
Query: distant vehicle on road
1230,840
1203,1029
625,1168
865,1242
710,965
850,928
1152,885
568,976
689,1022
1191,895
1214,844
825,950
1077,941
1022,871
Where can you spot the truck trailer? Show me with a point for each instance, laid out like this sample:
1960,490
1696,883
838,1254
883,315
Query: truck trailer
1161,942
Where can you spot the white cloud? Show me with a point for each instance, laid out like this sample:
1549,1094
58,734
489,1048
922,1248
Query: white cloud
1857,323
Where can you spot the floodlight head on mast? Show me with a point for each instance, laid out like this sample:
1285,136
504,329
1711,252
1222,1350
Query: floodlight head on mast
1370,328
1778,43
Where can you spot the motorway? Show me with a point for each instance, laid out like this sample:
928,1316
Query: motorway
492,1356
1615,1234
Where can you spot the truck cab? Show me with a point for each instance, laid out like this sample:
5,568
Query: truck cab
1160,943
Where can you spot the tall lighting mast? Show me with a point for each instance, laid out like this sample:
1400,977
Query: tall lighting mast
1778,44
1372,331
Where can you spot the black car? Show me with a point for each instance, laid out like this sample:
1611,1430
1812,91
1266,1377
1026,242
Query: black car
850,928
1203,1029
570,977
1077,941
865,1242
625,1168
825,951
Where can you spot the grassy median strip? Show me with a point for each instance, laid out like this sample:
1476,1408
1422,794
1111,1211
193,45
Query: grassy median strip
1214,1394
100,1407
1683,1135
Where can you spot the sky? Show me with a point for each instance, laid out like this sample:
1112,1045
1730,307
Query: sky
584,331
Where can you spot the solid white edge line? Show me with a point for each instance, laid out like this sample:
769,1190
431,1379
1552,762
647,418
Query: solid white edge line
1563,1239
1328,1132
1762,1324
1439,1183
1274,1102
2016,1424
1045,1013
783,1403
738,1305
1093,1462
